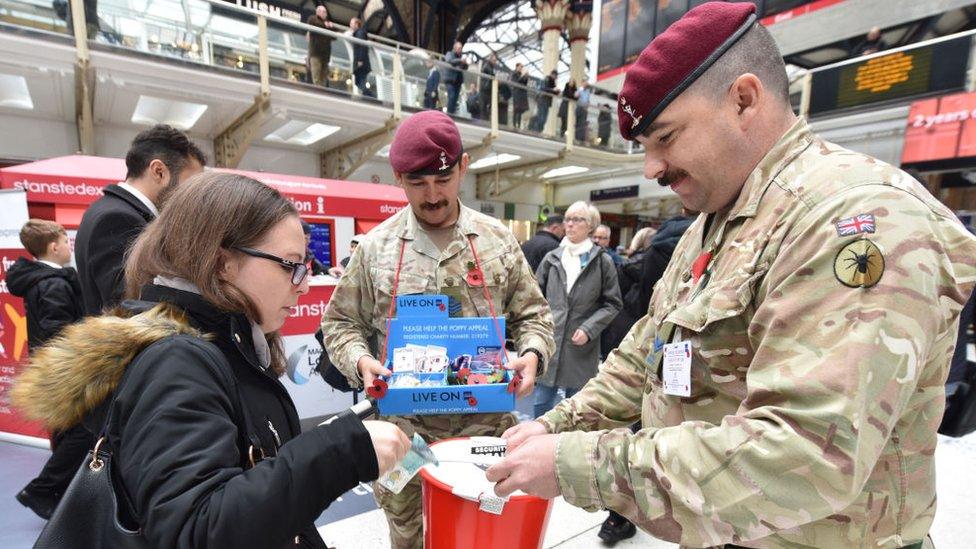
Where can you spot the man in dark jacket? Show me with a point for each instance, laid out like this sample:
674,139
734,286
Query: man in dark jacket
604,125
361,66
473,101
52,299
320,46
433,80
546,239
159,159
454,77
616,528
520,94
659,255
544,102
489,69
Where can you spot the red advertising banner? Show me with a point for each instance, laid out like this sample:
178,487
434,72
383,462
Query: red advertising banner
306,317
942,128
13,350
80,179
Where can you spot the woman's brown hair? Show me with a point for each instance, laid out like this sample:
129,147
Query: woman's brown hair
208,215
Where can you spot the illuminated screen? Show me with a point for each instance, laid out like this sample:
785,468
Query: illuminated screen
321,243
934,68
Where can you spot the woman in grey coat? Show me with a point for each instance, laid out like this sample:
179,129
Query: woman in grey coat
580,281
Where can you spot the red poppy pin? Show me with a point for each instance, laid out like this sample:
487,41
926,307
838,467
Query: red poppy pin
477,379
699,266
475,277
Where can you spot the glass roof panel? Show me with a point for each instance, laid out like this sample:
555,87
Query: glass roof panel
512,32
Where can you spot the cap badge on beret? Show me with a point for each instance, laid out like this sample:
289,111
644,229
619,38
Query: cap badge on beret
629,109
444,164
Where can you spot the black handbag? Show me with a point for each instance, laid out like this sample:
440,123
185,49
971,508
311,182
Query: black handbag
88,515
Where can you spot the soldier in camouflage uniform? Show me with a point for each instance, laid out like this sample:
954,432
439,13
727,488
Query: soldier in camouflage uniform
820,297
436,235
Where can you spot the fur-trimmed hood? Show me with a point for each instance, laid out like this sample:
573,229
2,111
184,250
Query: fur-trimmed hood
76,371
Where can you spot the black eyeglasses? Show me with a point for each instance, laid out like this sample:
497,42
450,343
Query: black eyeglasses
298,270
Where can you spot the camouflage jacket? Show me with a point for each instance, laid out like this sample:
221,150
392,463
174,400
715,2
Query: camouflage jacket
354,323
821,334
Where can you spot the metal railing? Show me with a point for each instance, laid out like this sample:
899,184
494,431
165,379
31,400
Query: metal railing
221,34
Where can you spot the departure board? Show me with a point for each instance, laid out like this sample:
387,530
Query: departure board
938,67
321,243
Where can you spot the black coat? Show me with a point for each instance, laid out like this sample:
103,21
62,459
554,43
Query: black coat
473,103
520,94
548,86
52,297
488,72
651,266
538,246
360,53
178,445
430,92
107,229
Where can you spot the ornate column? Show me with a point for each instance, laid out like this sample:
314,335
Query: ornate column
552,15
579,19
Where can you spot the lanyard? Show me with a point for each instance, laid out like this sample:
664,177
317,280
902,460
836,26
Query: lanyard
484,287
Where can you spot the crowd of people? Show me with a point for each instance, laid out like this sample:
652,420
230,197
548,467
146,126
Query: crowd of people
765,373
515,87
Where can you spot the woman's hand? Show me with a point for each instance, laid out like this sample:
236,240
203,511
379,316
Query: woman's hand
580,337
389,442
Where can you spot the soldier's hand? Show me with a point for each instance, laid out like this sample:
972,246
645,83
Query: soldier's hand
527,365
580,337
389,442
517,435
369,369
531,468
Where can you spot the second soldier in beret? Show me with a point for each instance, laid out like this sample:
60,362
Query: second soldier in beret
435,246
789,373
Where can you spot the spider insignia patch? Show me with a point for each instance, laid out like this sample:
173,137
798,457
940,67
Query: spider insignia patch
859,264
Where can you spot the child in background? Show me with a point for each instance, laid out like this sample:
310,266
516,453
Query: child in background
52,299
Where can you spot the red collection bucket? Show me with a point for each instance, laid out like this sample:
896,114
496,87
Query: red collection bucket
453,522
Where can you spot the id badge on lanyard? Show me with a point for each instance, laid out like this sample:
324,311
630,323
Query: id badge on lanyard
671,362
676,366
671,357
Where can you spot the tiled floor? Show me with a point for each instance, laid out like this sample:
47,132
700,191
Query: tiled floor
355,523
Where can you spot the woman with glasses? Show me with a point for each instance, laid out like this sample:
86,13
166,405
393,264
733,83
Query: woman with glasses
580,282
206,445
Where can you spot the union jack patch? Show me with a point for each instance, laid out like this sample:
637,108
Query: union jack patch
863,223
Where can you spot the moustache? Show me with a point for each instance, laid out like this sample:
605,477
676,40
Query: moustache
434,206
670,177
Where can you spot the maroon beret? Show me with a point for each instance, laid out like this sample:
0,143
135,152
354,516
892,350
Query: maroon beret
427,143
676,58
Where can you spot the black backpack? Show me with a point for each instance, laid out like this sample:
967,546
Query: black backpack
336,379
